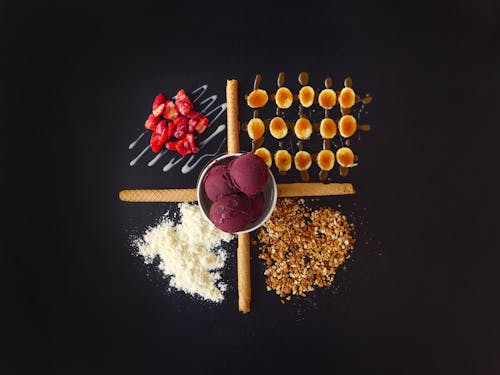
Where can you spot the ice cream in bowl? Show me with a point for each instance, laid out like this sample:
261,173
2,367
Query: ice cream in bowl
237,193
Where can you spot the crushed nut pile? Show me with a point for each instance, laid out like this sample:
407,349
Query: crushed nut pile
302,248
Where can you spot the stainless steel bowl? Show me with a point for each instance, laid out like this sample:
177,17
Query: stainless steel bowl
270,193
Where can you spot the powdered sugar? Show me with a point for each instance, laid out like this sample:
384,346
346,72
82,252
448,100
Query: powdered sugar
190,253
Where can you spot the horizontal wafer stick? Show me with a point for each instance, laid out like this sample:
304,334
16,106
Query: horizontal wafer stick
158,195
299,189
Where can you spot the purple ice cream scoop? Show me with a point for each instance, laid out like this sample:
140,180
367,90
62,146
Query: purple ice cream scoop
248,173
217,183
256,205
231,213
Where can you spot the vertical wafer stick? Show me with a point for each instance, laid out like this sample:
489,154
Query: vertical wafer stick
233,146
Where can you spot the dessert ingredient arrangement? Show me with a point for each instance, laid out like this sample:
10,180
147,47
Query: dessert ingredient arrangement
190,253
335,132
236,192
173,124
302,248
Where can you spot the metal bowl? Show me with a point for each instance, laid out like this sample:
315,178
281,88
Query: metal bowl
270,193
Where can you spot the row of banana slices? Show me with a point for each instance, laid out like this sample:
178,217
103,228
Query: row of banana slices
303,159
283,97
303,128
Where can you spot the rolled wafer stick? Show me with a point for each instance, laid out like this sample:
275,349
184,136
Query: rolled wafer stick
233,125
233,146
309,189
300,189
244,282
158,195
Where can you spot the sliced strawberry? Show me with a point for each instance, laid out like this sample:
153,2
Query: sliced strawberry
171,145
151,122
159,136
170,130
181,95
202,125
170,111
158,104
192,124
182,147
183,103
182,127
195,115
190,141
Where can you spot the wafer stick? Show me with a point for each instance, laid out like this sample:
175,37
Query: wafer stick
300,189
233,146
158,195
233,125
309,189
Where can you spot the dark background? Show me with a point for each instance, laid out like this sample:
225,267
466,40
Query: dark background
421,292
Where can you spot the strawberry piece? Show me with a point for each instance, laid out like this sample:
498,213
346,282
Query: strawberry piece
182,127
191,125
182,147
158,104
201,125
170,111
151,122
190,141
195,115
171,145
171,130
183,103
159,136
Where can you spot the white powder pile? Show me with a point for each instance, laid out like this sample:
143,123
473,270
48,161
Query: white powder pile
190,253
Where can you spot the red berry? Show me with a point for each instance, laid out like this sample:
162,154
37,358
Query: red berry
171,145
202,125
158,104
170,111
159,136
151,122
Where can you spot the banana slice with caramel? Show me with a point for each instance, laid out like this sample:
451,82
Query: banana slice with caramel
347,126
283,160
257,98
327,128
283,98
347,97
302,161
306,96
278,128
265,155
325,160
256,128
345,156
303,128
327,98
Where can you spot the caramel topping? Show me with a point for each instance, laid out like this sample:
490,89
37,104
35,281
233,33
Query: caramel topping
256,128
327,128
347,126
302,160
278,128
306,96
283,98
345,156
303,128
347,97
327,98
283,160
257,98
265,155
325,159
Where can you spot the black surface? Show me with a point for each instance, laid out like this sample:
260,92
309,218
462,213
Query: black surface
77,82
